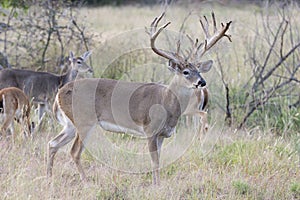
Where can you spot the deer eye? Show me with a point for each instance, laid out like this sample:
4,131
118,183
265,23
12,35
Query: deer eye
186,72
79,62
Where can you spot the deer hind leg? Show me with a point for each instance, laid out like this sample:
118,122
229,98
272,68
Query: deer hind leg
8,122
76,151
65,136
22,117
78,146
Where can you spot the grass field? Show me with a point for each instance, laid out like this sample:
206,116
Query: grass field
224,165
253,163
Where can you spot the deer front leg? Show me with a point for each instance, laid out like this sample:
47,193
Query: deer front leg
65,136
154,144
41,111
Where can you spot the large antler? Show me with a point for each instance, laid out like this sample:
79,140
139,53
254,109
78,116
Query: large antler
153,32
199,50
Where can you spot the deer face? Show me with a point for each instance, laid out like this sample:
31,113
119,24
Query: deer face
189,73
79,63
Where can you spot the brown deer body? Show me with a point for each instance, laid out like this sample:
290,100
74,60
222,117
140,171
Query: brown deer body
149,110
15,105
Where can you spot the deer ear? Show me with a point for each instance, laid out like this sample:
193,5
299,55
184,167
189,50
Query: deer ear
86,55
173,66
71,57
205,66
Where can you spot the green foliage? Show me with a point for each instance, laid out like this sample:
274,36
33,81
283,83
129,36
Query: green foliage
171,170
238,95
296,144
278,117
241,187
235,153
15,4
295,189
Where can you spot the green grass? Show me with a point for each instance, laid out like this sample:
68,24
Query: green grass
295,189
241,187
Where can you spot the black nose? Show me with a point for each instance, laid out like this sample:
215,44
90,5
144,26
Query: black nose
202,83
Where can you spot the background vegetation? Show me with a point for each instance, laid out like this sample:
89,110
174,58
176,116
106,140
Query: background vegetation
252,150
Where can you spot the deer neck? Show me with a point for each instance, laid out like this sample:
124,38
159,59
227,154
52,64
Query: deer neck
70,75
181,91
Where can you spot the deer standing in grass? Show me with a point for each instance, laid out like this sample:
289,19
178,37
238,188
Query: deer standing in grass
148,110
14,104
41,87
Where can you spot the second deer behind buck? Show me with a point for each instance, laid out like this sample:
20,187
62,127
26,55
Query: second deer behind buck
41,87
149,110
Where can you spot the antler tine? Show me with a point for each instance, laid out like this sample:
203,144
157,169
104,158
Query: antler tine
159,18
192,44
195,47
190,39
178,47
211,41
226,35
205,27
214,22
201,44
153,35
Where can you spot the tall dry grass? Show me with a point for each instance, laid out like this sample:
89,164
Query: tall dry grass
224,165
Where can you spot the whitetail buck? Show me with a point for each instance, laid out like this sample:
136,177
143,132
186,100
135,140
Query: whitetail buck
43,86
14,104
149,110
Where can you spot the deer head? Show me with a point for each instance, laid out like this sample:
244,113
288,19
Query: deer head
189,68
78,63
